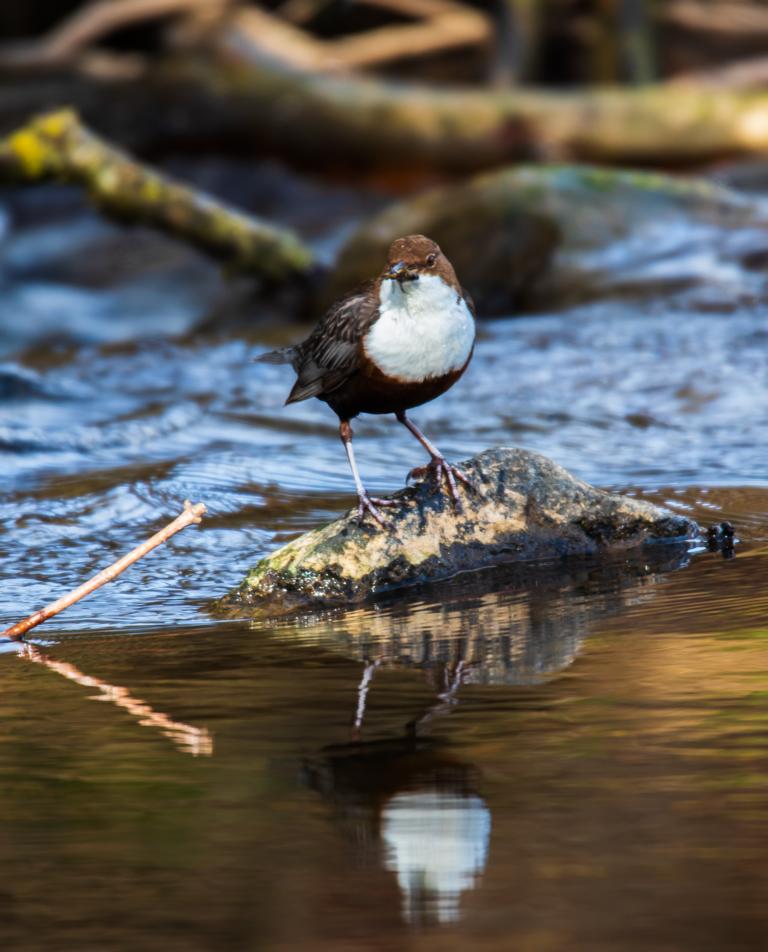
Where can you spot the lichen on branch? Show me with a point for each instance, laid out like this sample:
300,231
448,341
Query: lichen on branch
60,147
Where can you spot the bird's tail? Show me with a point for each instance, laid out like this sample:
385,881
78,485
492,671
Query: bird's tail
284,355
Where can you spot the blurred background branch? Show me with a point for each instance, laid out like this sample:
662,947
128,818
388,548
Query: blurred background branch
95,21
478,84
553,43
737,19
58,146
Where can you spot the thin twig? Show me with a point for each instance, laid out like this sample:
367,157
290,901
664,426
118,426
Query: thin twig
440,25
194,740
92,23
191,515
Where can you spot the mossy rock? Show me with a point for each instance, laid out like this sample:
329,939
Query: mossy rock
533,235
523,508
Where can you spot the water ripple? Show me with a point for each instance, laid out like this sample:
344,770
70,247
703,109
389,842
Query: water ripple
99,449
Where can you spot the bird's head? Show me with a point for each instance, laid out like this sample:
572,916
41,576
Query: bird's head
415,256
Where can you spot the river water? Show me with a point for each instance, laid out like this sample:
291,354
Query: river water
573,758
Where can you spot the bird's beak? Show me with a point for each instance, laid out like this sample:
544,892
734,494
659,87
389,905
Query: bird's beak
400,272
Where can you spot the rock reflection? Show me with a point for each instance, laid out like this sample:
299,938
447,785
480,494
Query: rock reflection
407,805
413,809
514,626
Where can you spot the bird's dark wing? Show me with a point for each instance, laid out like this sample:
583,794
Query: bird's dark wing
331,353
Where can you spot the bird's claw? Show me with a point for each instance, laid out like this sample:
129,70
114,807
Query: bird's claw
440,469
369,504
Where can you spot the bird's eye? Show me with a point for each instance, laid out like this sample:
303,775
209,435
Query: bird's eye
431,259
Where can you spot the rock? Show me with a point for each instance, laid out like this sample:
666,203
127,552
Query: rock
516,239
553,234
524,507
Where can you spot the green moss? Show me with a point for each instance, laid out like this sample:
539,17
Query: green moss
58,145
31,151
57,124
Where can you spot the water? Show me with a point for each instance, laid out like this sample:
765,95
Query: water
571,760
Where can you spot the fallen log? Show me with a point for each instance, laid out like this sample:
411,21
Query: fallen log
58,146
221,93
524,507
363,120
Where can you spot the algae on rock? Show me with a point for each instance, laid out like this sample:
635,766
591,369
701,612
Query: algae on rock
523,507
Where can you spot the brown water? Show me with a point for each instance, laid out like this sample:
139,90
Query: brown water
574,758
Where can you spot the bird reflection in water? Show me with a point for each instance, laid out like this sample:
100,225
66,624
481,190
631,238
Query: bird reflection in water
437,845
407,805
414,809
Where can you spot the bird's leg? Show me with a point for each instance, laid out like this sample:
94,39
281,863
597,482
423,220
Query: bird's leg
437,466
365,503
362,694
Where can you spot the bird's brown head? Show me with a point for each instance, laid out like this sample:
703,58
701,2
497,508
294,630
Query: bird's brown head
411,257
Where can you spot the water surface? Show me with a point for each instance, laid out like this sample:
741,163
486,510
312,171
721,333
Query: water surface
570,759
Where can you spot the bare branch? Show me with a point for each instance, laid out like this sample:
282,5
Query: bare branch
191,516
92,23
457,27
723,17
441,25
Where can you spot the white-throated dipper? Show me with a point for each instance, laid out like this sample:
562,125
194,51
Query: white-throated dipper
396,342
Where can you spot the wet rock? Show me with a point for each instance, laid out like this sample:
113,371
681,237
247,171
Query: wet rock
499,245
524,507
540,236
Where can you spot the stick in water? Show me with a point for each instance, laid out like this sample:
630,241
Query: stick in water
191,515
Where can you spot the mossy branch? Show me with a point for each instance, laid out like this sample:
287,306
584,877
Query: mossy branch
58,146
379,122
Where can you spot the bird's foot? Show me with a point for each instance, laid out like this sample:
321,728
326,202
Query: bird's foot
370,504
440,469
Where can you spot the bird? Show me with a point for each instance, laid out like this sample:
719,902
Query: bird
394,343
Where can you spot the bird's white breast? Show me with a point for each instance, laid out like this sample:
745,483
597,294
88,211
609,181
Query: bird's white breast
425,329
